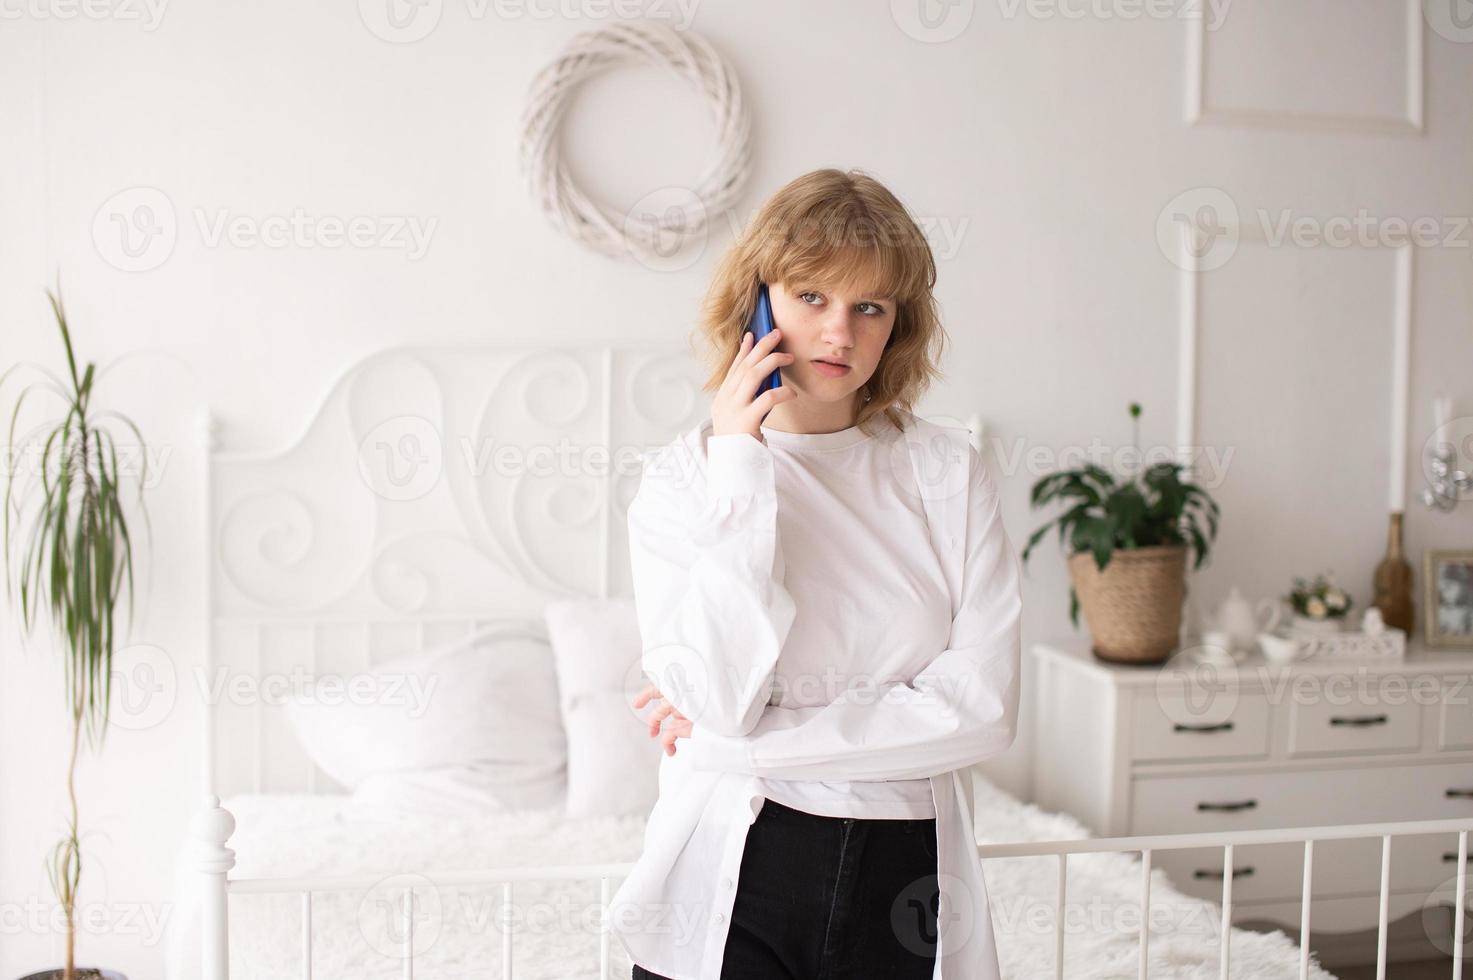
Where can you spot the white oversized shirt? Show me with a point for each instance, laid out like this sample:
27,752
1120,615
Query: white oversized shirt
879,687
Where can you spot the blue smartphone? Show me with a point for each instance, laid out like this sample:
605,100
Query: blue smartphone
761,325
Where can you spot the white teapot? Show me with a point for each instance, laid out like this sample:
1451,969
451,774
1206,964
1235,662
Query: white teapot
1243,620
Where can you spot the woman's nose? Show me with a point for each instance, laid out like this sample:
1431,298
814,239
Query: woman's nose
838,331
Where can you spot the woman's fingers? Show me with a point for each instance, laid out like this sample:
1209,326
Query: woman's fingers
676,730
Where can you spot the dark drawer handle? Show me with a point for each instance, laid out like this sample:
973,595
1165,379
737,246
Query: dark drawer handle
1217,875
1229,807
1460,794
1360,722
1222,726
1450,856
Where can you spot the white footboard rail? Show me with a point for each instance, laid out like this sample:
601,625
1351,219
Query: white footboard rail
214,826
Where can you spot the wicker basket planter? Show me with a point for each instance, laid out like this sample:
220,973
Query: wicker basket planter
1132,608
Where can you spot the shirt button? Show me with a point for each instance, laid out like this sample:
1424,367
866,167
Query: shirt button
719,917
725,882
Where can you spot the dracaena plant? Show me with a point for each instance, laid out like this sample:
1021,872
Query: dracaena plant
76,557
1153,506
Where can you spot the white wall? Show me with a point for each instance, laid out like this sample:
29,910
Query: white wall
1041,146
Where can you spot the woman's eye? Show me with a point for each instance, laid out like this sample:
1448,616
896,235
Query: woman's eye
878,310
804,296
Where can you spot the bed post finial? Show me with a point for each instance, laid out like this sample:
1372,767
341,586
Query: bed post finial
211,828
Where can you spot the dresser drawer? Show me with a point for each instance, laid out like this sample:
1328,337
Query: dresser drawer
1275,872
1455,714
1244,801
1179,728
1352,721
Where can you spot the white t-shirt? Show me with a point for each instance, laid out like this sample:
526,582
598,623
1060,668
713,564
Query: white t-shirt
873,606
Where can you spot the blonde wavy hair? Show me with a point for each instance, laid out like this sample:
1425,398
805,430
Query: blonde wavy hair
830,228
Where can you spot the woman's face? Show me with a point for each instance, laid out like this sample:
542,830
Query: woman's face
837,324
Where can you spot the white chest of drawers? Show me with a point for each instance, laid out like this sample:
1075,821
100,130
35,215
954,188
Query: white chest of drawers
1152,750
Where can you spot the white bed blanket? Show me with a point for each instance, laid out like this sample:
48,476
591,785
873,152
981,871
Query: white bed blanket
355,935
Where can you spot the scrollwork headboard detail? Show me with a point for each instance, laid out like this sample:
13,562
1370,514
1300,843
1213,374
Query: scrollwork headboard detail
435,490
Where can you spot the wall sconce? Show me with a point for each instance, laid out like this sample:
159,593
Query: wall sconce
1445,487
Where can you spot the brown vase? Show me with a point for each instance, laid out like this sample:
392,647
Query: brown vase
1133,607
1392,581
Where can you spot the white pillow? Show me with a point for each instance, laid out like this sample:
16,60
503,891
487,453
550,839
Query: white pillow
481,712
454,792
613,764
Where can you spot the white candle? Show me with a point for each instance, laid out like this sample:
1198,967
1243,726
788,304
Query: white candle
1400,377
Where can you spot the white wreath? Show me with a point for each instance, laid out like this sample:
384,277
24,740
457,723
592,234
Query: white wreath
605,228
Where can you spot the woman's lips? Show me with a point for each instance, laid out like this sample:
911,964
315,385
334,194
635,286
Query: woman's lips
831,370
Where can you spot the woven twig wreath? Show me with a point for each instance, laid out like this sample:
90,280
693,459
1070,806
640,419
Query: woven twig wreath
608,229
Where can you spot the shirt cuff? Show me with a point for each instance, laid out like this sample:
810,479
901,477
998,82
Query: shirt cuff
737,464
724,753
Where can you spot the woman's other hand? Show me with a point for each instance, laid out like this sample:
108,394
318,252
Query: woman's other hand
680,726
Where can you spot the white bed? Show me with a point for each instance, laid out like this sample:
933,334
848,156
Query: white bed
556,938
393,525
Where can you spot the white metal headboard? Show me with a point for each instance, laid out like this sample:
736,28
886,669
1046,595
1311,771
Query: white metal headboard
434,490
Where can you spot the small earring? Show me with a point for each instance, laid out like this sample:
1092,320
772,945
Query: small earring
867,393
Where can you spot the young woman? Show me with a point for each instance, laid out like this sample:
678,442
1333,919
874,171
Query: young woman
827,656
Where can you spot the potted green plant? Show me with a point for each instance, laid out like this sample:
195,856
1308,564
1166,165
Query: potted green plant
77,557
1128,542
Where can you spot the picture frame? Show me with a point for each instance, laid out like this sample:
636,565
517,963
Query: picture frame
1448,590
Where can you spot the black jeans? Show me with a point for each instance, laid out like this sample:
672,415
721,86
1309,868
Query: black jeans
832,898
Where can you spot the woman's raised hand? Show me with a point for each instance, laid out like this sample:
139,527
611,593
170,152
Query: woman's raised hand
680,726
734,409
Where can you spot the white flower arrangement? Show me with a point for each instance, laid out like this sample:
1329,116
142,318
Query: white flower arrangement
1319,599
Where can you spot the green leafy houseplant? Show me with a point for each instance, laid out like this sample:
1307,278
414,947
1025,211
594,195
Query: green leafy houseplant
78,556
1103,515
